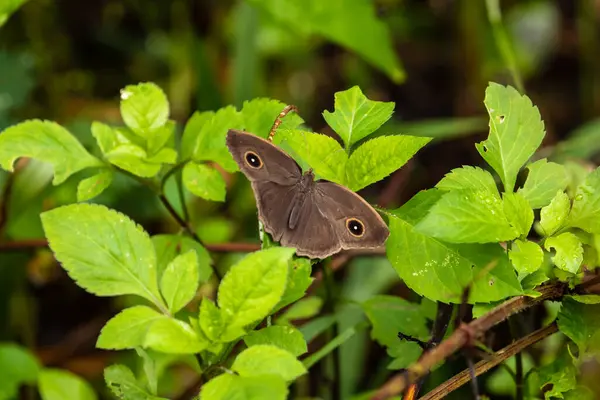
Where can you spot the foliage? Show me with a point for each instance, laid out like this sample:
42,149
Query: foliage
466,232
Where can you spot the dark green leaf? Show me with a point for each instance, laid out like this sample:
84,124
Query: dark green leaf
581,324
305,308
559,376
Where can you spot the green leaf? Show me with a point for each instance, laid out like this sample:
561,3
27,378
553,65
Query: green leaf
170,335
338,22
518,212
414,210
204,137
128,329
554,215
323,153
534,279
379,157
161,138
356,117
305,308
440,271
179,281
468,216
228,386
170,246
298,282
569,251
581,324
7,7
122,383
149,365
94,185
144,108
18,367
57,384
516,131
204,181
265,359
586,298
134,159
585,213
468,177
526,256
285,337
560,376
543,181
253,286
211,320
46,141
390,315
102,250
259,114
404,353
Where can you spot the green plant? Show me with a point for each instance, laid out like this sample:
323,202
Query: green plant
468,235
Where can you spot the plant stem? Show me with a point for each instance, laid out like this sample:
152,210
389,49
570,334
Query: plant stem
503,42
515,331
333,331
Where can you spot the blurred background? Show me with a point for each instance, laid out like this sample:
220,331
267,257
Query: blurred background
67,60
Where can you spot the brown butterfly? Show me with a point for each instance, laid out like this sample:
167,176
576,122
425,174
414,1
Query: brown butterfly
318,218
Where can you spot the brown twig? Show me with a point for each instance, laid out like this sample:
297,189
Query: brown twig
485,365
464,334
279,119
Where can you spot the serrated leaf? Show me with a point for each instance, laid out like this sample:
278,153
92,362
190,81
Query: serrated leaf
554,215
516,131
440,271
57,384
204,181
144,108
179,281
518,212
323,153
586,298
379,157
543,181
122,383
526,256
204,137
304,308
298,282
337,21
170,246
103,251
211,320
285,337
388,316
585,213
468,216
91,187
356,117
46,141
253,286
170,335
229,386
18,367
559,376
128,329
569,251
258,116
468,177
581,324
265,359
133,158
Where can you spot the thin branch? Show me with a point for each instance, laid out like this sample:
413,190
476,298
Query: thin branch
465,334
485,365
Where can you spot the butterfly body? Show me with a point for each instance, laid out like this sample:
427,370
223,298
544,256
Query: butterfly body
317,217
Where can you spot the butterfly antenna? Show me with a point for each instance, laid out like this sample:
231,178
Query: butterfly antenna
279,119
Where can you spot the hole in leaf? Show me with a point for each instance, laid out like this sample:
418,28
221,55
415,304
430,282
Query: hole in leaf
501,118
